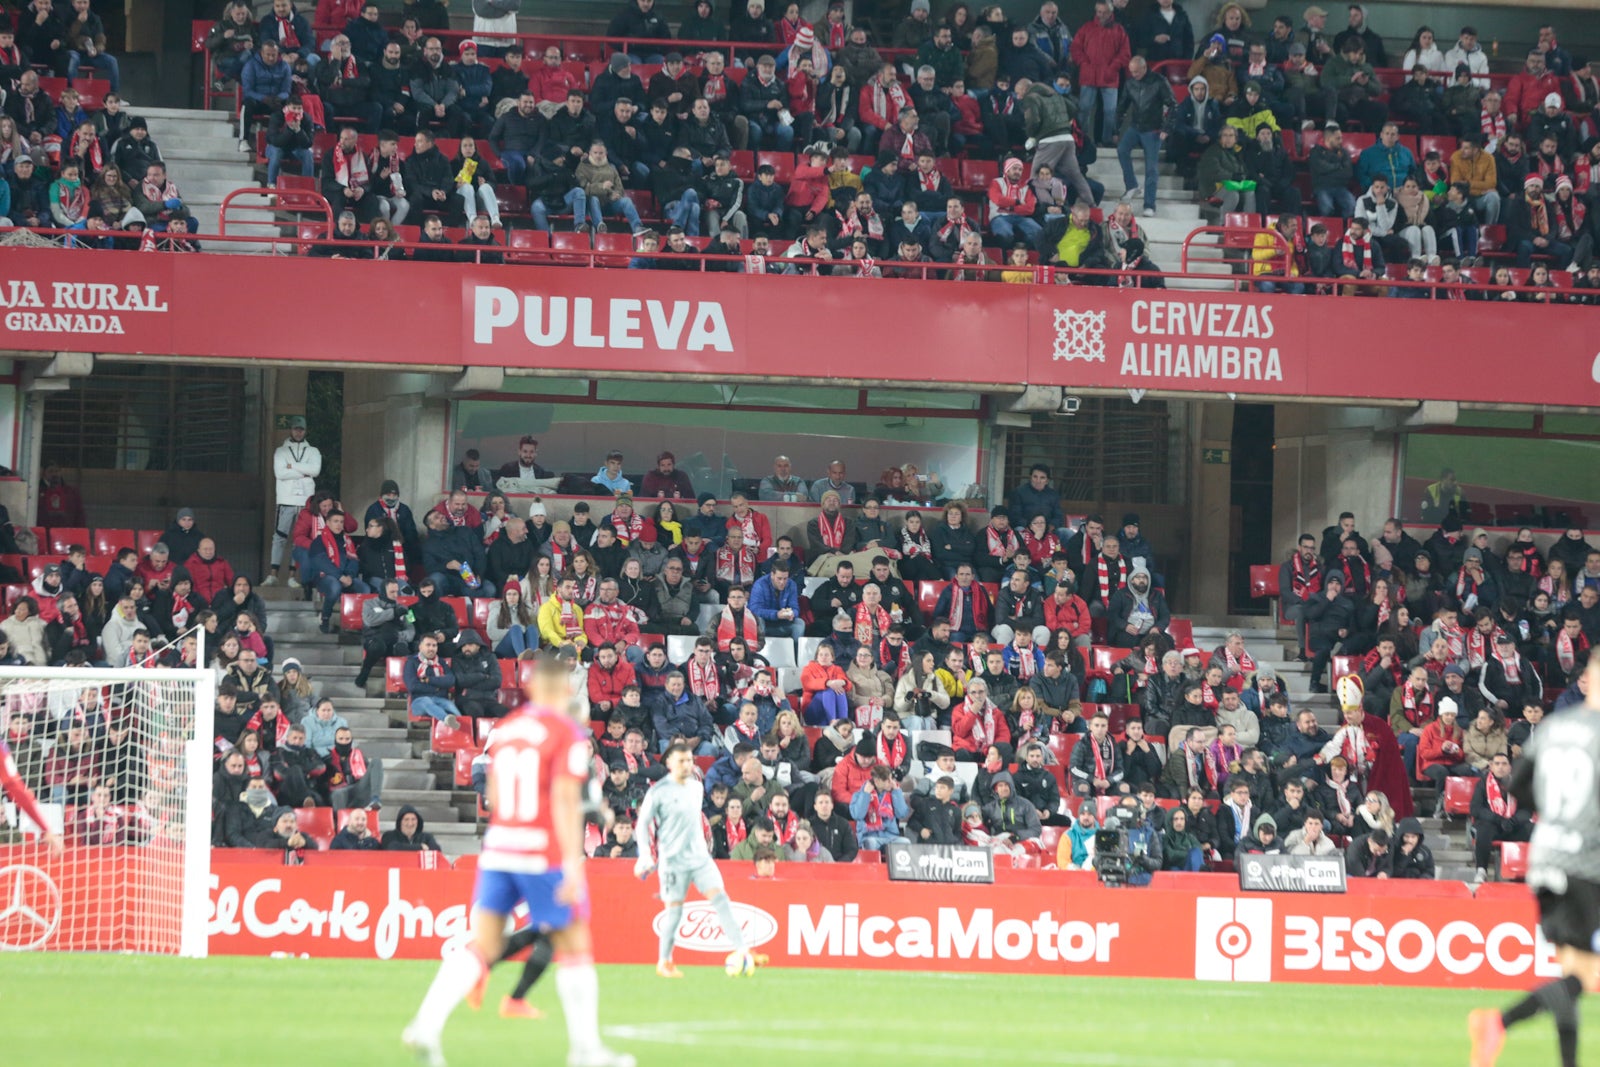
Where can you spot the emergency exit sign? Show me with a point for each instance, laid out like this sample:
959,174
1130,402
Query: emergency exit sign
1216,455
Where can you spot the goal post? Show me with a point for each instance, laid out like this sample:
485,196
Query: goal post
120,760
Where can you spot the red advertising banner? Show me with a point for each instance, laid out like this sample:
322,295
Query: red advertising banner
770,326
1060,924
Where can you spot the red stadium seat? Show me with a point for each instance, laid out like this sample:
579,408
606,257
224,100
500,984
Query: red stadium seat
62,538
483,728
463,767
1458,795
350,611
37,564
928,597
782,162
1357,143
1061,746
1263,580
110,542
1122,714
976,174
525,244
744,165
1102,658
315,823
458,604
1049,839
394,675
144,541
1181,631
445,741
1513,860
1343,665
481,606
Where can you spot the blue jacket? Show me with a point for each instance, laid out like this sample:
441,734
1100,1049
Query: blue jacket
477,83
1026,502
1394,165
688,717
459,543
723,772
713,529
891,823
440,686
367,40
763,200
264,84
766,601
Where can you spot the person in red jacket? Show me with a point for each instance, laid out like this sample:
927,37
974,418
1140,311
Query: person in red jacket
976,723
210,572
59,503
1525,95
1066,610
609,622
1011,205
609,675
808,194
550,82
1101,51
855,770
879,107
308,526
157,568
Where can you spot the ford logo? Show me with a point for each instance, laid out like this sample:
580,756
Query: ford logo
701,931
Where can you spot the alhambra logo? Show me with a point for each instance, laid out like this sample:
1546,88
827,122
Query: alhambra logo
1080,335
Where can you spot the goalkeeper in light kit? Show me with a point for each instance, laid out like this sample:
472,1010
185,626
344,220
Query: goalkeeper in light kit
532,854
672,838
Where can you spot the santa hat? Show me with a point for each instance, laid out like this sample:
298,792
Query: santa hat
1350,691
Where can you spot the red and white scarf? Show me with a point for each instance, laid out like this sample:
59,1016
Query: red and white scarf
1418,708
400,574
1305,577
1240,664
784,827
831,531
747,629
1512,667
353,773
561,558
893,660
1477,648
881,97
736,831
628,529
958,605
1218,759
736,567
350,171
1002,547
1501,803
704,681
287,38
1492,124
916,544
427,670
891,753
748,731
73,199
984,728
1041,549
1103,572
1568,651
880,809
1355,751
877,619
331,546
1383,611
1027,660
1350,245
1341,796
747,526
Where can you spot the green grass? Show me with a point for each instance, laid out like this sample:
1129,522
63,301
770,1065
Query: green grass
126,1011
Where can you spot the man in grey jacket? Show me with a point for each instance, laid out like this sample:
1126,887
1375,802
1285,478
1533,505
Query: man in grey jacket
1047,119
1009,813
386,630
436,94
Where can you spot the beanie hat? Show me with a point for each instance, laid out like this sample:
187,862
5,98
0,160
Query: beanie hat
805,39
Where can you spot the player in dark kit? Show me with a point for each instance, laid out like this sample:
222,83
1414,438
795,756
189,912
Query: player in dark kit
1558,777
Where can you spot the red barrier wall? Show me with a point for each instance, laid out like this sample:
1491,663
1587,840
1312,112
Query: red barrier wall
444,315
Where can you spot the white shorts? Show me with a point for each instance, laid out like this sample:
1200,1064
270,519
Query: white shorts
675,881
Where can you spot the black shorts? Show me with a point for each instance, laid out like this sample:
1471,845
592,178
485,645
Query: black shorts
1572,918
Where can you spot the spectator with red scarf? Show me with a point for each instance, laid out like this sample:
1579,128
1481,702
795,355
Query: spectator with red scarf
1508,679
332,566
1411,711
977,723
1299,580
757,530
352,780
737,621
1568,651
1107,573
1041,542
879,106
998,545
628,524
1370,748
1495,814
965,604
735,563
290,31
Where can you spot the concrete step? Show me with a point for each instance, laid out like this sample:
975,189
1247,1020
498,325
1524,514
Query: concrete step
435,804
200,169
194,115
214,140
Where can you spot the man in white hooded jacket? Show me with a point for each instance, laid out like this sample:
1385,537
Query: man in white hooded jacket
295,466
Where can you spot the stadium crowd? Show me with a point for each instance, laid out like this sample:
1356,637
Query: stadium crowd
908,159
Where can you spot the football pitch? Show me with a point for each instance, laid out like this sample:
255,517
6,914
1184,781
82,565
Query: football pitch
131,1011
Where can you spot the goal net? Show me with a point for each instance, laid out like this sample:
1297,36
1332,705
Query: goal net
120,762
